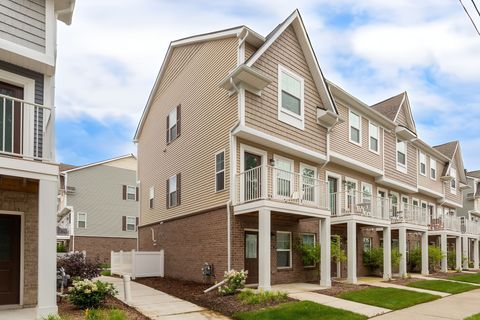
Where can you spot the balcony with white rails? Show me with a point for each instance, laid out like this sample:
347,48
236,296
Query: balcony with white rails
408,213
284,188
359,204
445,222
470,227
25,129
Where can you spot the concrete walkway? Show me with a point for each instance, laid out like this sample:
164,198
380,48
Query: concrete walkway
377,282
431,278
159,305
454,307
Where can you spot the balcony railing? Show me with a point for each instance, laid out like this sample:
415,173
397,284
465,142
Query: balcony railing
63,231
359,203
408,213
25,129
270,183
469,226
445,222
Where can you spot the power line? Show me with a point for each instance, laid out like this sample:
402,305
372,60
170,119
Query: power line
468,14
476,7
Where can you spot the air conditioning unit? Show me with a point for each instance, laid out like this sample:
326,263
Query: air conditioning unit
71,190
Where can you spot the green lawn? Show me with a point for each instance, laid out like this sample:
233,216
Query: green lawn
467,277
442,286
390,298
474,317
303,310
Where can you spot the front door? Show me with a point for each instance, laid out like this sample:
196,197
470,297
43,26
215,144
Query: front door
10,119
251,256
252,176
9,259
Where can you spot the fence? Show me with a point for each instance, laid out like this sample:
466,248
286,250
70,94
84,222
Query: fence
138,263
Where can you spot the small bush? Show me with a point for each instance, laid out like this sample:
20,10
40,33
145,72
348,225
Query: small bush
87,294
61,247
76,266
435,256
234,280
104,314
251,297
373,259
310,254
52,317
415,261
452,260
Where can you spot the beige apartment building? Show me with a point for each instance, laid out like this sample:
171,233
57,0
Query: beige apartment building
245,151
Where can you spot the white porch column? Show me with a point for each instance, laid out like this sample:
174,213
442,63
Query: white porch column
47,256
476,261
402,247
352,252
425,253
458,252
325,273
465,255
264,255
387,253
444,249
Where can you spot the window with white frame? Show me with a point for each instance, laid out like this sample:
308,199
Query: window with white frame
81,220
309,239
290,97
173,124
433,169
172,192
422,168
373,137
284,249
351,194
131,223
284,176
394,197
220,171
355,130
131,193
151,196
405,202
401,155
367,244
415,202
367,192
453,182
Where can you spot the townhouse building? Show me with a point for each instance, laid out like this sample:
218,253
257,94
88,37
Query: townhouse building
259,154
470,213
28,171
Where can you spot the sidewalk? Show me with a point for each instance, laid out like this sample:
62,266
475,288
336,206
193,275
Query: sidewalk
159,305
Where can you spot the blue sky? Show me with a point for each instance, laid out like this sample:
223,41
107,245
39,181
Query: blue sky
109,57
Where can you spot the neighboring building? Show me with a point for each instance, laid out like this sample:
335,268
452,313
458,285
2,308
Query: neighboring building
28,171
471,208
98,207
245,150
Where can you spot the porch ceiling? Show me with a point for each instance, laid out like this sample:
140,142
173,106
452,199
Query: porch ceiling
9,183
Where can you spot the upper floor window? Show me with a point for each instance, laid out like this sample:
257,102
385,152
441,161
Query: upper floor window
173,191
82,220
453,182
284,176
355,128
173,124
433,169
401,155
151,197
290,98
423,163
131,193
220,171
129,223
373,133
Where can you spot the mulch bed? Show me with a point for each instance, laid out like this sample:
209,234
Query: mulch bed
193,292
70,312
403,281
341,287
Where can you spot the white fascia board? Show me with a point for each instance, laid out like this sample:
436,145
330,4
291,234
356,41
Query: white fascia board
28,169
451,203
99,163
429,149
354,164
396,184
430,192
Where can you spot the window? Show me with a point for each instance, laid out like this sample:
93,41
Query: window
173,124
290,98
309,239
367,244
129,223
220,171
309,185
367,192
415,202
423,163
284,249
433,169
453,182
401,155
151,196
355,129
284,176
351,196
394,202
81,220
131,193
373,133
173,191
405,202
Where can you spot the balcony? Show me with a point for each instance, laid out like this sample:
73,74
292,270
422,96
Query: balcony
25,129
360,204
445,222
408,213
280,186
469,226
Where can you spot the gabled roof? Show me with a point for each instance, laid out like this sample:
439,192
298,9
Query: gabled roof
98,163
64,167
448,148
453,151
392,107
474,174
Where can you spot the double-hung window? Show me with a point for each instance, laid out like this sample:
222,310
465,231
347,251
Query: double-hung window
284,249
290,98
401,156
173,124
81,220
433,169
423,163
130,223
151,196
355,130
220,171
131,193
373,141
173,191
453,182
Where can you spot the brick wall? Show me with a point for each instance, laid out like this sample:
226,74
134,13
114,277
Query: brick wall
102,246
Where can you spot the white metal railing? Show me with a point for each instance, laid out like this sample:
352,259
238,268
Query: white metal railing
409,213
25,129
445,222
359,203
270,183
469,226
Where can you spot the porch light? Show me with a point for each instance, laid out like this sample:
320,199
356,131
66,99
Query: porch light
272,162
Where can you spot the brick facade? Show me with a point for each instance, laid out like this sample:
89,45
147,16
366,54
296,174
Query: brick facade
102,246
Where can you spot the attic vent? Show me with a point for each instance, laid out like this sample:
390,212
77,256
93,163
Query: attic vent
71,190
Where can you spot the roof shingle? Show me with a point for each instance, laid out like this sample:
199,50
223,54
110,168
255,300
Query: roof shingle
389,107
448,148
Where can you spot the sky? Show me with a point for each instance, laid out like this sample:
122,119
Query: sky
109,57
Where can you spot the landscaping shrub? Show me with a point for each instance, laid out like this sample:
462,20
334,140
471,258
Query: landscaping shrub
61,247
104,314
435,256
310,254
251,297
234,280
77,266
336,252
452,260
373,259
415,260
87,294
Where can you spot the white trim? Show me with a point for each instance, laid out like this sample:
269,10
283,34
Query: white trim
170,205
291,177
339,188
399,108
99,163
315,176
400,166
357,165
284,250
430,192
78,219
397,195
359,143
259,152
151,196
285,115
22,251
420,153
366,184
380,189
403,196
453,174
416,200
433,162
217,172
397,184
134,193
370,123
134,223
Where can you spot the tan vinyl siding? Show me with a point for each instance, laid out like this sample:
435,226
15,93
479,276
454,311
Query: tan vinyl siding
207,115
261,113
23,22
340,142
425,181
249,50
391,171
458,197
402,117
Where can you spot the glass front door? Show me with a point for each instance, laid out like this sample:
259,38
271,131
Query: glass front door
333,188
